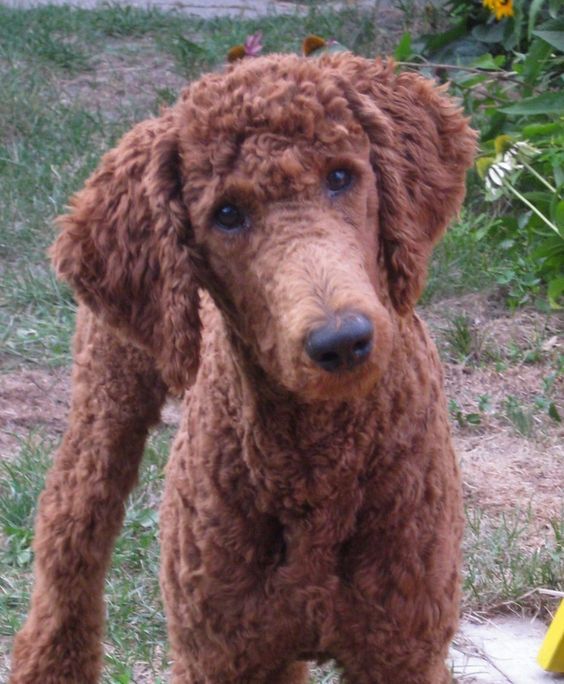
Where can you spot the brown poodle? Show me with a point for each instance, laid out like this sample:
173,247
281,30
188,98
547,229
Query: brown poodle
265,241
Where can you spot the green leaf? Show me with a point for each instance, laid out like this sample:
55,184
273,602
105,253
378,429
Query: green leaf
513,28
148,518
124,678
460,51
539,51
539,197
189,47
403,50
547,103
534,9
489,33
523,219
538,130
467,80
552,246
553,7
554,38
557,213
436,41
485,62
555,291
23,557
553,412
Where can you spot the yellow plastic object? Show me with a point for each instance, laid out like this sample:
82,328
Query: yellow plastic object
551,654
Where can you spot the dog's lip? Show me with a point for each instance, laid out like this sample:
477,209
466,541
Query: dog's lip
348,383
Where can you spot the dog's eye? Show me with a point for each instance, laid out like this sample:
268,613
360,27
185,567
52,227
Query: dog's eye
339,180
229,217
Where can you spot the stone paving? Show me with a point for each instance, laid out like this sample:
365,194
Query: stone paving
243,9
502,650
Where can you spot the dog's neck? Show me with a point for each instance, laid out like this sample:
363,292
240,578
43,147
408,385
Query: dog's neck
309,461
306,456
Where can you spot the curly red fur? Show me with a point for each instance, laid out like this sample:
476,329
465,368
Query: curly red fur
306,514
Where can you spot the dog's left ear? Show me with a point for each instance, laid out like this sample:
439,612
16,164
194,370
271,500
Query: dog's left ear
422,146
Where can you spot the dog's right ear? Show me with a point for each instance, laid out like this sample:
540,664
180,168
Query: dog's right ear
125,248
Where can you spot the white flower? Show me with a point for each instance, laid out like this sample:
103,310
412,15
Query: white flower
507,164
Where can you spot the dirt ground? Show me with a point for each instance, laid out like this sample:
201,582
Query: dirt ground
514,355
508,355
501,468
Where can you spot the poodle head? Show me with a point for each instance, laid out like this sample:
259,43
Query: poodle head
316,189
304,194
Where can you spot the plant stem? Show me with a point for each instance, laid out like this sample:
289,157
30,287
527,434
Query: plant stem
533,208
537,175
503,75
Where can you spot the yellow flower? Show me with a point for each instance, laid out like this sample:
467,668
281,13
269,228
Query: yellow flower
483,166
312,43
501,8
503,143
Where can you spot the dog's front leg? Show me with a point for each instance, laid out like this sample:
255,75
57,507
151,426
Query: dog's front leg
117,395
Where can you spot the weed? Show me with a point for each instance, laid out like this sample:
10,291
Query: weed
484,403
500,567
461,262
37,315
462,418
21,481
20,484
461,338
519,417
116,20
136,627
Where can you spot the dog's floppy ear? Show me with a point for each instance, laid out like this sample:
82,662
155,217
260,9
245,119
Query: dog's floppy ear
124,247
422,146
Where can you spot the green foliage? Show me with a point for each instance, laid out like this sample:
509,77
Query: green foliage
462,418
509,74
499,566
20,485
136,625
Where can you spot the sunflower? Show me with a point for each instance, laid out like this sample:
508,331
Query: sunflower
501,8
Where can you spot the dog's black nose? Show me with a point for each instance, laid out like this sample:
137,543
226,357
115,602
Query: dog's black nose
341,344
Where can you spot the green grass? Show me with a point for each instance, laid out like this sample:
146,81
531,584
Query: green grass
136,625
21,482
500,566
49,144
53,129
461,262
136,628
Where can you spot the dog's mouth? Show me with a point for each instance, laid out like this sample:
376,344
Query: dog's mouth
343,385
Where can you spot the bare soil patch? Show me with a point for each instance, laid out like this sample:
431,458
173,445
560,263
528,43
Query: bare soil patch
502,469
128,71
513,363
32,401
37,401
